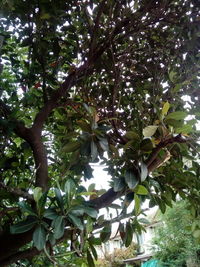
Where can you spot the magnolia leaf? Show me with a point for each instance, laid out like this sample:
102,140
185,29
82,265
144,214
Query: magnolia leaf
90,259
37,194
26,208
185,129
39,237
131,179
70,186
85,127
132,135
141,190
94,151
128,234
137,204
105,233
76,221
50,214
71,147
59,227
90,211
119,184
165,108
23,226
149,130
177,115
144,171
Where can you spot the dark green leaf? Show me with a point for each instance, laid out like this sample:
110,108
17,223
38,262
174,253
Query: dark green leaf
131,179
94,151
144,171
128,234
50,214
90,211
59,198
105,233
76,221
59,227
23,226
71,147
119,184
90,259
39,237
26,208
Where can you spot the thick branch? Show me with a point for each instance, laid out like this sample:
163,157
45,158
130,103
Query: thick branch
17,192
154,154
106,199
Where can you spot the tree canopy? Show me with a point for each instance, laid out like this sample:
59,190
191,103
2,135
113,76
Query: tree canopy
113,82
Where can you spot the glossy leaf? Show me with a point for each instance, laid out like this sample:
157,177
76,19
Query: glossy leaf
149,130
76,221
144,171
131,179
39,237
177,115
59,225
141,190
23,226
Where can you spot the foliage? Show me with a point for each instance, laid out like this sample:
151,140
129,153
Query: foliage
81,82
174,243
116,258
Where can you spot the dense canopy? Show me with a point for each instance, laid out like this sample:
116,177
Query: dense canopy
113,82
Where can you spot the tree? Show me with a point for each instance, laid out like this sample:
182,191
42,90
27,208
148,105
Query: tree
80,79
174,242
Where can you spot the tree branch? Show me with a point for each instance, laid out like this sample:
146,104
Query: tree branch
17,192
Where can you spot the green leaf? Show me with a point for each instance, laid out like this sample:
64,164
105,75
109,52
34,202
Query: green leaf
185,129
50,214
141,190
149,130
119,184
85,127
26,208
70,186
131,179
132,135
71,147
90,211
128,234
165,108
59,227
172,76
23,226
146,145
105,233
39,237
144,221
177,115
37,193
52,239
91,187
94,151
78,210
137,204
59,198
76,221
90,259
144,172
94,252
104,144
